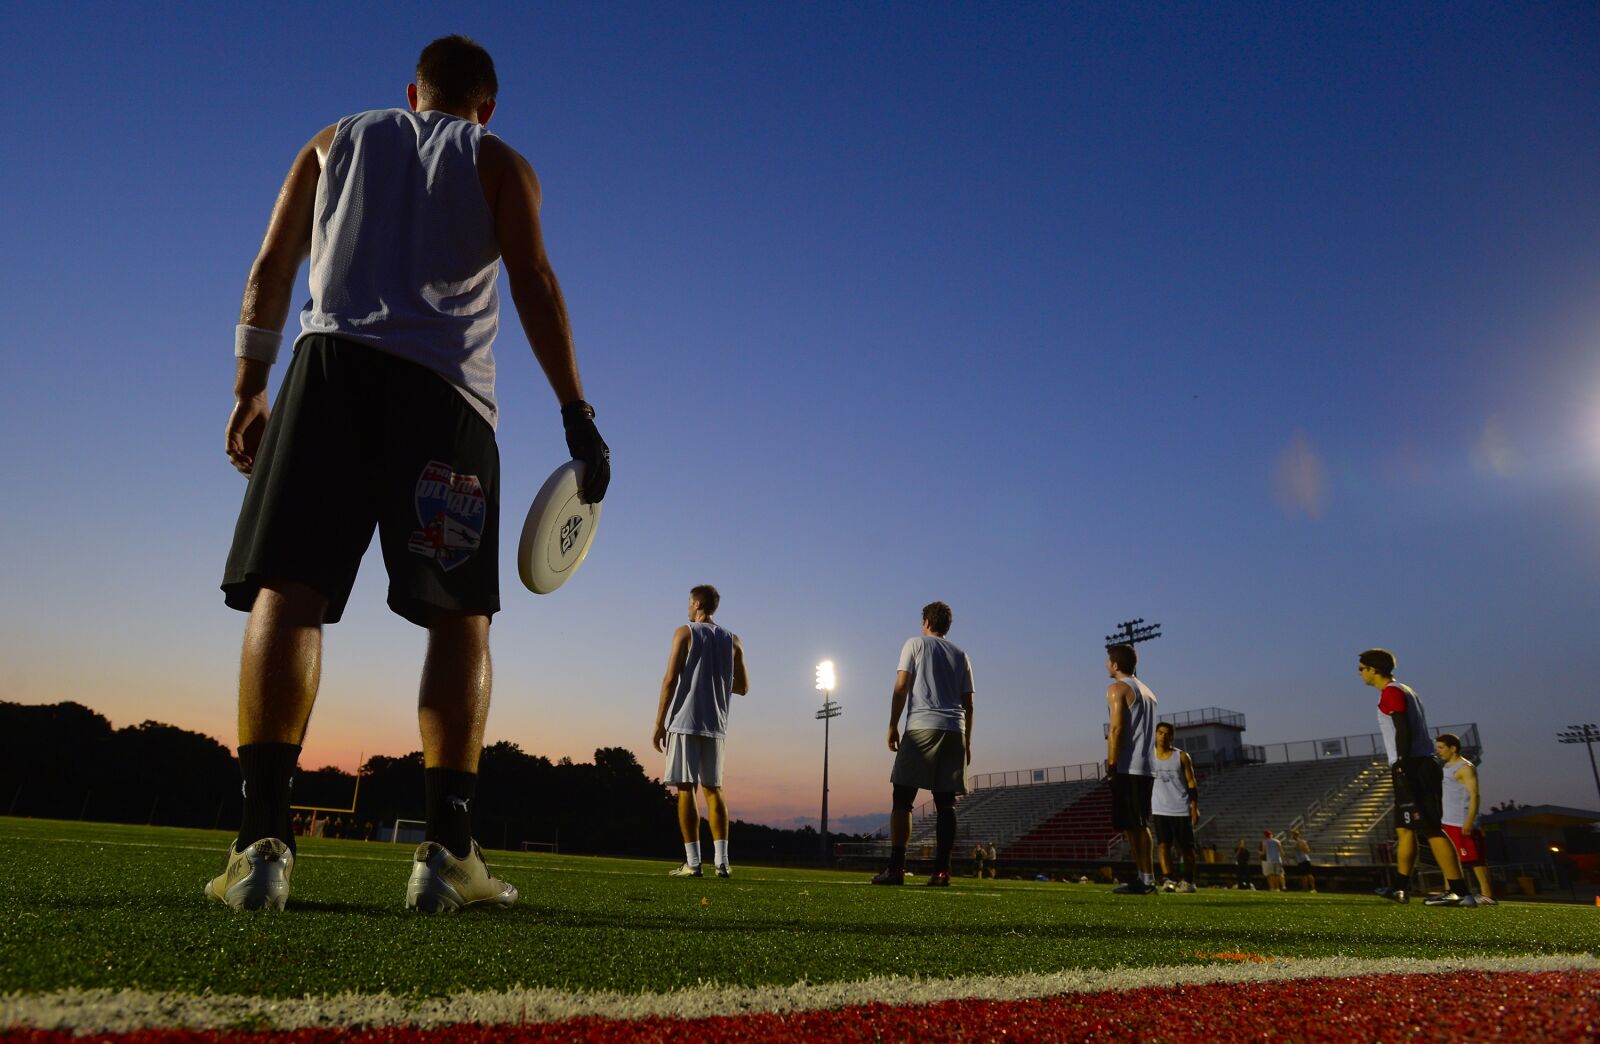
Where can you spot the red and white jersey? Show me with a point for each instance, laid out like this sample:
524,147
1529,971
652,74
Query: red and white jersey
1399,699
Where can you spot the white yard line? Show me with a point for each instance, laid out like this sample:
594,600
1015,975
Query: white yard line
125,1010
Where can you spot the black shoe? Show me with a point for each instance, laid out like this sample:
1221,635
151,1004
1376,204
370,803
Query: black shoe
1133,888
940,879
1397,895
890,877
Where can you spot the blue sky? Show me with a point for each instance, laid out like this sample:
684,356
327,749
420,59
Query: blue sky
1279,326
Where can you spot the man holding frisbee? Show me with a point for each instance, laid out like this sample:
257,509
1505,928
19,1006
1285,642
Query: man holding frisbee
1130,764
705,667
935,680
386,421
1418,782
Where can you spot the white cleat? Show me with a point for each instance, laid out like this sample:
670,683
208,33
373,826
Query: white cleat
685,870
724,871
441,883
1186,887
255,879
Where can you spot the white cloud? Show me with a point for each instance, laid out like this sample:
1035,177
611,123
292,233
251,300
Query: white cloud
1494,453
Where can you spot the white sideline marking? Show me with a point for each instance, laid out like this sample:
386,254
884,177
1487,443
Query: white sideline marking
110,1011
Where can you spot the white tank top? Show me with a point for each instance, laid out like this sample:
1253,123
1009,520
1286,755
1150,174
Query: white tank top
1456,799
1170,794
699,704
404,255
1138,731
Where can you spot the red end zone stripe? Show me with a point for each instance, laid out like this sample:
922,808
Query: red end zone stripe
1464,1005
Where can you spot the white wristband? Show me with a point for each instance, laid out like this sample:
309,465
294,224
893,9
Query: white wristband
253,342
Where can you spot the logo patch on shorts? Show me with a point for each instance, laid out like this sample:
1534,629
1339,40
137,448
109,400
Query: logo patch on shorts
451,510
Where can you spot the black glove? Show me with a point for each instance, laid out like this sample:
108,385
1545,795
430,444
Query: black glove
586,445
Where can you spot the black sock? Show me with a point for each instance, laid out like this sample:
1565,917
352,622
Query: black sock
897,860
944,837
449,814
268,771
1458,887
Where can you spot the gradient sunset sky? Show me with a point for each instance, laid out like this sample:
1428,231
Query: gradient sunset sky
1276,324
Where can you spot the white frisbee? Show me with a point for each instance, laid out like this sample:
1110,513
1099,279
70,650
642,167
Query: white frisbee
558,531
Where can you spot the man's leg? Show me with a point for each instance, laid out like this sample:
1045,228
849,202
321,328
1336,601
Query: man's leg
689,822
1405,854
717,814
1481,872
1444,853
279,669
1164,851
905,799
452,710
944,829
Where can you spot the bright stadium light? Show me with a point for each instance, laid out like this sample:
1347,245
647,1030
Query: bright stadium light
828,711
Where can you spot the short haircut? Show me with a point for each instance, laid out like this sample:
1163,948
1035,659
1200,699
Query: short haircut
456,73
1165,725
1449,739
1380,660
1124,657
937,616
707,596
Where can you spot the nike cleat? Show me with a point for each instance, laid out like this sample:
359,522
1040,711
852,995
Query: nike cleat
889,877
685,870
939,879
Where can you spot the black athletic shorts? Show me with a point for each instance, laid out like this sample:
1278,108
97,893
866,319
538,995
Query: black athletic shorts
1418,795
361,439
1173,830
1130,801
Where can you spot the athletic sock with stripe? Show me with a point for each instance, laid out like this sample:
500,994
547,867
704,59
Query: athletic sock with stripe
268,771
449,800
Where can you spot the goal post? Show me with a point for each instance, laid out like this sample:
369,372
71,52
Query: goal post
551,847
407,825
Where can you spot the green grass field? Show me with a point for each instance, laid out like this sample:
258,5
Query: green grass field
96,905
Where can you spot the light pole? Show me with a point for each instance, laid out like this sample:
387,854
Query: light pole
828,711
1588,735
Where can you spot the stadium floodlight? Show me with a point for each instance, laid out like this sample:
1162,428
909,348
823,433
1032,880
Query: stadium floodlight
1588,735
827,712
1132,632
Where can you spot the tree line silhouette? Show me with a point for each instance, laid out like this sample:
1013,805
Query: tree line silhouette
65,761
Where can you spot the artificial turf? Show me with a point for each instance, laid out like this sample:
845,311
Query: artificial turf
98,905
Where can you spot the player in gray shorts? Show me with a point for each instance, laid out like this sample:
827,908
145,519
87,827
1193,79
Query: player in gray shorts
935,682
705,667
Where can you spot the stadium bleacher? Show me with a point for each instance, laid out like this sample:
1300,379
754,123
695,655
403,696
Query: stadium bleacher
1002,814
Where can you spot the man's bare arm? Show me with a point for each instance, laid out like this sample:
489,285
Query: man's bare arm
966,705
1116,693
512,191
897,706
267,291
675,662
1467,775
741,675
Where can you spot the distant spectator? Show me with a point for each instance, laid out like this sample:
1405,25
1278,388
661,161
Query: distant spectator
980,858
1241,865
994,861
1271,852
1300,848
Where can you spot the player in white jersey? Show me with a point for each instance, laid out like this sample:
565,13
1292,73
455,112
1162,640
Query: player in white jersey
385,420
933,686
1460,812
1174,808
1130,742
705,667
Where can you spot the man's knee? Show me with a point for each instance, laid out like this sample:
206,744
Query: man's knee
905,798
686,790
712,793
944,801
458,628
291,602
